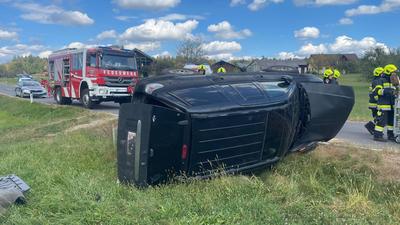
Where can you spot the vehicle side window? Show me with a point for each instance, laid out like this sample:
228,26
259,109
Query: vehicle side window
91,60
275,89
51,69
77,61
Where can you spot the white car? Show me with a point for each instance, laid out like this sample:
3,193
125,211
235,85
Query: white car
25,88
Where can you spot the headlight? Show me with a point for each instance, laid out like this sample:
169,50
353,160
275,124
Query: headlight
26,91
103,91
152,87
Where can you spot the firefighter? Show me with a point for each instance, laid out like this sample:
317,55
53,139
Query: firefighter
221,70
336,75
386,96
328,76
202,69
373,99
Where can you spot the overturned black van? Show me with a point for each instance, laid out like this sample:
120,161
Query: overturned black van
197,125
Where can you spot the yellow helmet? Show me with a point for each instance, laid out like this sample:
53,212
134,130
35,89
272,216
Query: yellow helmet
378,71
328,72
389,69
336,73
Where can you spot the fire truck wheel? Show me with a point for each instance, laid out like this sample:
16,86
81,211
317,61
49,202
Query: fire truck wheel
86,100
60,99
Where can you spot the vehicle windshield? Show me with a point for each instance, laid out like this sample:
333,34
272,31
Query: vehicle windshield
118,62
30,84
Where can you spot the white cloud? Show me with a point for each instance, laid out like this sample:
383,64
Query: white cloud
177,17
79,45
385,6
342,44
155,30
309,49
259,4
324,2
52,14
347,44
221,47
108,34
164,54
237,2
287,55
8,52
44,54
125,18
147,4
307,32
346,21
8,35
225,30
144,46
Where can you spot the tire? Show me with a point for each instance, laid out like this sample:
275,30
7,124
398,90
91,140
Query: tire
16,94
60,99
398,139
86,100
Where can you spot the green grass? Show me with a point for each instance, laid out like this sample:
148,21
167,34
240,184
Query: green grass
73,180
8,80
360,84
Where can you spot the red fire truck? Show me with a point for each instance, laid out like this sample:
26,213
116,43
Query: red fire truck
92,75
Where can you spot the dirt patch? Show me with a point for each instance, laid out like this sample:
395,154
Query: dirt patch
385,164
389,170
92,124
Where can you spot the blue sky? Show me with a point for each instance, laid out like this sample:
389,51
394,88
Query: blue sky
229,29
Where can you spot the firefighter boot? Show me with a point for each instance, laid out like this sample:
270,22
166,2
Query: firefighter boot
370,127
378,136
391,136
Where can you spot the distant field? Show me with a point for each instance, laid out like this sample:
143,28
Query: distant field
66,155
8,80
360,84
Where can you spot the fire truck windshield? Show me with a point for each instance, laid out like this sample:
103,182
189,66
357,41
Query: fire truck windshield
118,62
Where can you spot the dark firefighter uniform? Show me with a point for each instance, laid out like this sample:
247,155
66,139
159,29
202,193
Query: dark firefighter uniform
386,97
373,99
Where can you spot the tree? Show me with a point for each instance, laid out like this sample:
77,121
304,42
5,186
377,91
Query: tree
27,64
190,51
378,57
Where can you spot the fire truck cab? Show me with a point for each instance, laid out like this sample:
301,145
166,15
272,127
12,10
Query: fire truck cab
92,75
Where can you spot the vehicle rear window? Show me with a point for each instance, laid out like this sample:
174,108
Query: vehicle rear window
201,96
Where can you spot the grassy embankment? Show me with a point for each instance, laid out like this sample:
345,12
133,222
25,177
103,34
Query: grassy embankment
73,180
360,84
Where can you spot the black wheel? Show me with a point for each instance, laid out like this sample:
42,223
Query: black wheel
16,93
86,100
60,99
398,139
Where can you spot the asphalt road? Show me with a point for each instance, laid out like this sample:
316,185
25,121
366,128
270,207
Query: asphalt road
352,133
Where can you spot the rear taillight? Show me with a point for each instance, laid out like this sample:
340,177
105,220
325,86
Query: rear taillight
184,152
